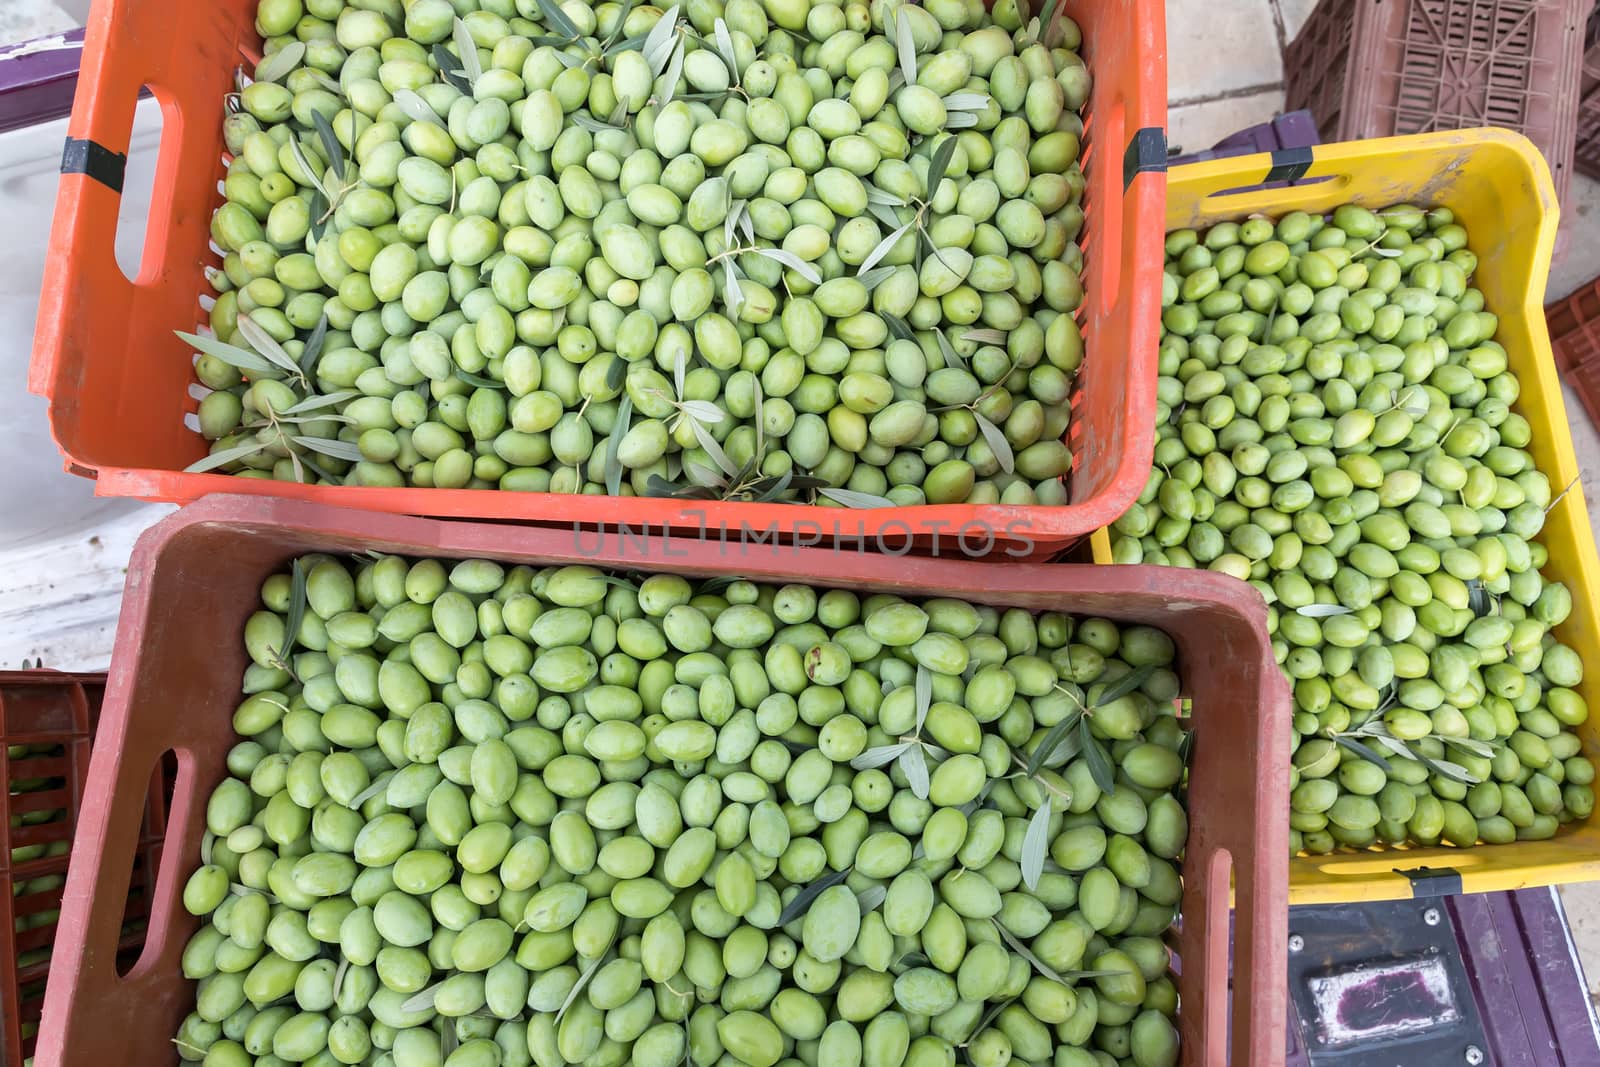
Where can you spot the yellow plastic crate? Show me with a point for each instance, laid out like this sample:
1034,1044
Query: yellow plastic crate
1498,185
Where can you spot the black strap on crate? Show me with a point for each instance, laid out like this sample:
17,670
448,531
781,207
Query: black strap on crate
1432,881
95,160
1146,152
1289,164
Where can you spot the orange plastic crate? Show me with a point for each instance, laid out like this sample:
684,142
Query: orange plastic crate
46,722
212,557
118,381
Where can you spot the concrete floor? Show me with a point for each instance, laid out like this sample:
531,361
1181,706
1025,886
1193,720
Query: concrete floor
1225,73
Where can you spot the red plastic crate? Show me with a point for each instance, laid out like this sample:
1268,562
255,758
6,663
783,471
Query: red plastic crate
1378,68
118,381
175,681
47,720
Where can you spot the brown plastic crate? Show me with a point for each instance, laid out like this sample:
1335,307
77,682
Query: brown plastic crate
1574,324
47,721
1586,146
1378,68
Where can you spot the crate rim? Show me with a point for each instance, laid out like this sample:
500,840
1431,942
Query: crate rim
1258,1020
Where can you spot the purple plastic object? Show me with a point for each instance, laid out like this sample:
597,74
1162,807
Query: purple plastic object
1295,129
1523,977
38,79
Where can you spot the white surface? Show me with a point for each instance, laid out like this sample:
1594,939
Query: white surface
62,549
58,503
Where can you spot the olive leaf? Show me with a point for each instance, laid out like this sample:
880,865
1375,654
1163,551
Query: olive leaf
1478,597
422,1001
224,457
338,975
1361,750
1481,749
875,277
319,214
731,293
594,125
702,411
669,80
952,358
277,66
583,978
330,144
244,891
1095,756
985,337
264,343
924,693
616,374
793,262
378,785
626,44
700,474
850,498
336,449
658,42
558,19
234,356
313,345
416,109
297,610
450,69
478,381
725,46
960,120
471,66
802,900
729,223
712,448
898,326
1035,844
614,442
915,766
877,757
1062,977
886,214
997,442
1321,611
939,163
1125,685
989,1017
878,196
883,248
869,898
966,102
906,46
756,405
1053,738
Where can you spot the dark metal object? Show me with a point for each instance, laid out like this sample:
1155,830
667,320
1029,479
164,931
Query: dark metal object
1376,985
1493,979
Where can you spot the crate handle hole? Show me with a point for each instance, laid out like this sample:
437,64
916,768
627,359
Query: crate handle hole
145,149
135,921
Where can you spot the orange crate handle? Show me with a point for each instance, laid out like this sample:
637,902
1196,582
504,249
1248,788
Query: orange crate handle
180,53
